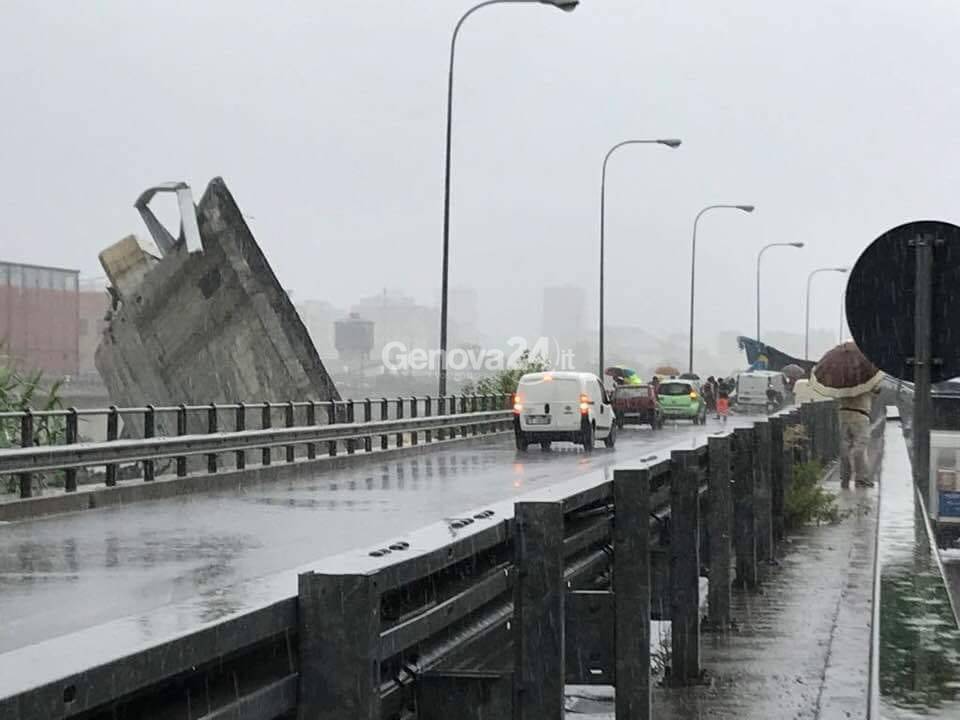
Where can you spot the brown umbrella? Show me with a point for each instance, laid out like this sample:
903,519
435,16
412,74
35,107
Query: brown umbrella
794,372
844,372
667,370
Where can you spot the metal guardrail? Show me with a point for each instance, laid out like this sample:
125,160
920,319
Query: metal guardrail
199,430
466,627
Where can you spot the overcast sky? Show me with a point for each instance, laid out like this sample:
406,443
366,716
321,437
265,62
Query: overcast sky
838,120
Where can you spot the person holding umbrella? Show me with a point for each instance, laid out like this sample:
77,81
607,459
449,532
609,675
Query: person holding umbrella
845,373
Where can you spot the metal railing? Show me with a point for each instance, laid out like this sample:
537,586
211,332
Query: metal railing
559,588
51,441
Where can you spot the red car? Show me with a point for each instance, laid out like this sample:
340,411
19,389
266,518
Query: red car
637,405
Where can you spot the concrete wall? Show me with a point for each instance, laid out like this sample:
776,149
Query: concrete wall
210,326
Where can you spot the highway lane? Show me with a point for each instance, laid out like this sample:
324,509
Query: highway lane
62,574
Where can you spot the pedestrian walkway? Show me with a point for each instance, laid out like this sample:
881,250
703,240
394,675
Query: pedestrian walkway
802,646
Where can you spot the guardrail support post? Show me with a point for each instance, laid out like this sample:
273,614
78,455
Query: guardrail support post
332,420
240,424
777,463
26,441
631,578
744,526
266,422
367,417
181,430
290,420
441,410
384,415
71,438
149,429
113,432
413,414
399,417
427,412
685,568
339,617
212,427
763,496
538,611
720,529
351,442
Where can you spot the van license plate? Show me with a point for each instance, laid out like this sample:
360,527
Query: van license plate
538,420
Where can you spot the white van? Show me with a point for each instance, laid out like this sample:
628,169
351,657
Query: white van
752,388
563,407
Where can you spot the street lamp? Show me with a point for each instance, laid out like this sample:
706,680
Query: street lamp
566,6
670,143
759,256
806,331
693,261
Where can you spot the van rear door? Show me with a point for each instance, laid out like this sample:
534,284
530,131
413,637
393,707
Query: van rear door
546,399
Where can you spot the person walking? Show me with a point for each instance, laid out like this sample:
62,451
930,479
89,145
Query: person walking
854,415
723,400
709,396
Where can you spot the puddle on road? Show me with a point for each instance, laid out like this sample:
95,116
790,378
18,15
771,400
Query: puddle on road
919,641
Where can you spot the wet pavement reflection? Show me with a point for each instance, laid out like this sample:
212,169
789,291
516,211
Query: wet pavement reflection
201,552
919,640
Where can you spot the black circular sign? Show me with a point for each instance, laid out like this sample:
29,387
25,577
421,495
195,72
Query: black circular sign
881,300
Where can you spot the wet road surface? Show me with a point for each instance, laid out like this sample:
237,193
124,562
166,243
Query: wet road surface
62,574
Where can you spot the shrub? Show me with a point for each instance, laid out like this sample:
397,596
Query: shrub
505,381
806,500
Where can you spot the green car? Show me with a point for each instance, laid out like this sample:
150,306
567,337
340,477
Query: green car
681,400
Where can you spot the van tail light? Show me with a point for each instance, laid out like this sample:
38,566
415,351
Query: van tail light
517,408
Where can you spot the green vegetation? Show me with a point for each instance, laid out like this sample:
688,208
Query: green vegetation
20,391
505,381
807,501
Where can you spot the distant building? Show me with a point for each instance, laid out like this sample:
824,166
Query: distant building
354,340
93,304
565,315
319,317
40,317
400,319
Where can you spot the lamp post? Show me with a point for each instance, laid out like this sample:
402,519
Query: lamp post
806,331
670,143
693,261
759,257
566,6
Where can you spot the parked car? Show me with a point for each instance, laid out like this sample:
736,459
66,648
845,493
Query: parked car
637,404
681,400
761,389
562,407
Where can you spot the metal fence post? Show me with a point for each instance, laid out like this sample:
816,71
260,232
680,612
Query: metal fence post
72,437
181,430
631,578
413,414
684,567
290,420
367,418
384,415
26,441
720,529
331,420
538,613
149,429
351,442
339,639
266,422
113,432
744,528
777,458
763,511
240,424
427,412
463,411
441,410
474,407
399,417
212,427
